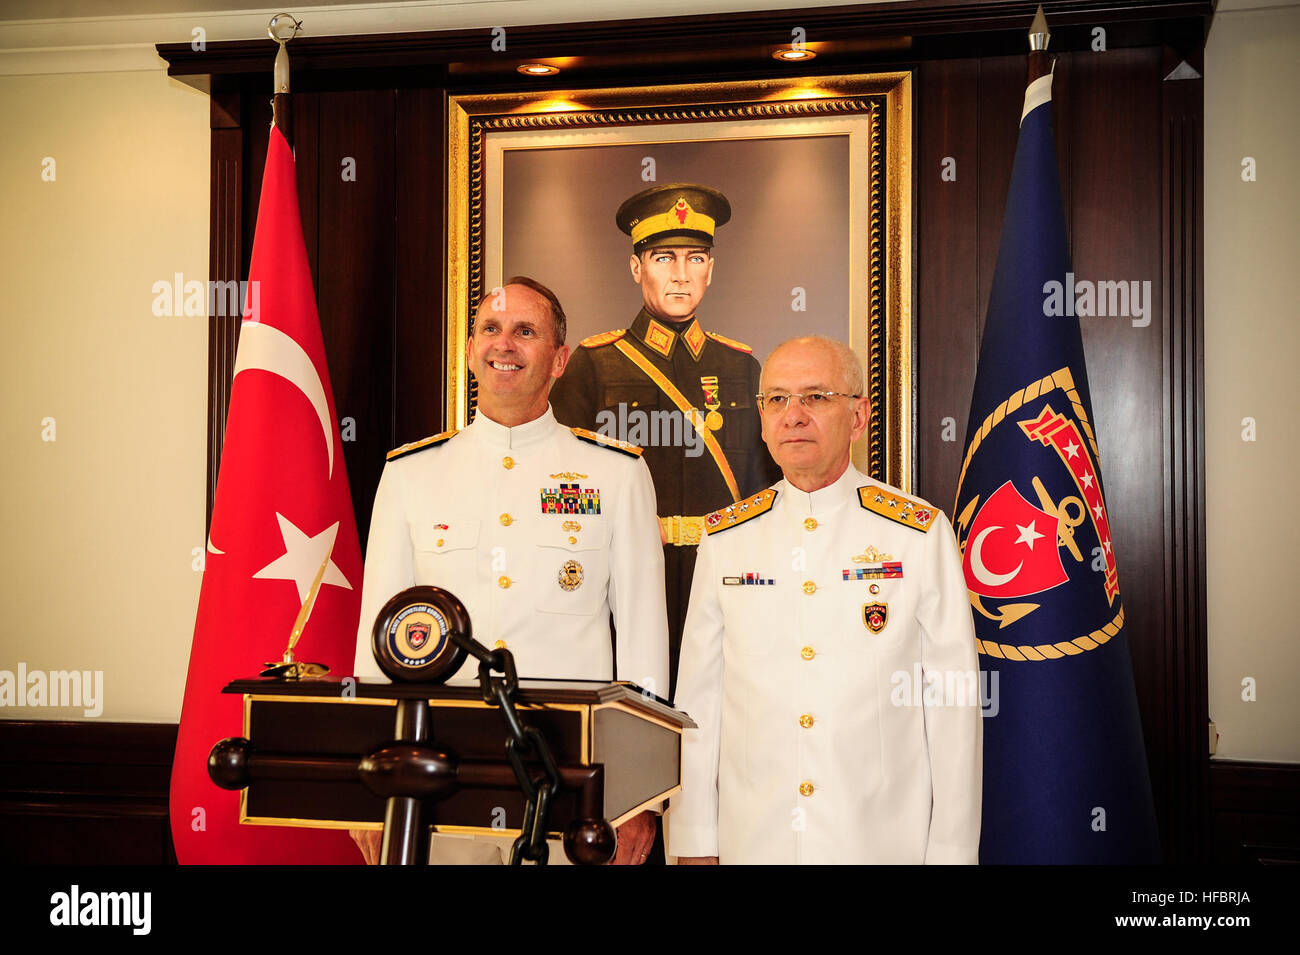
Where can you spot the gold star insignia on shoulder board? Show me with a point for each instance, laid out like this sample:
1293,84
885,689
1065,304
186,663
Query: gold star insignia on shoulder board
430,442
917,515
741,511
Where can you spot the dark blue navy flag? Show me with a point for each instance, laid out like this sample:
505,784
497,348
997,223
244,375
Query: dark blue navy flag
1065,771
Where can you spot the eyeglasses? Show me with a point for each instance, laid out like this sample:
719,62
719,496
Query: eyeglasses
814,401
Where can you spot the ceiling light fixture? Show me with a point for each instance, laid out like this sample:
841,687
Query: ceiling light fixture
538,69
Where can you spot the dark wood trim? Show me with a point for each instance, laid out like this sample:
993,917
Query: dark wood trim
225,256
85,792
917,29
1185,742
1255,812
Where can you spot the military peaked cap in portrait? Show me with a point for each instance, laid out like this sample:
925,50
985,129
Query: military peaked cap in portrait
678,213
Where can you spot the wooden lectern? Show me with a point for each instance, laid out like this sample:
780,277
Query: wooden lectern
410,758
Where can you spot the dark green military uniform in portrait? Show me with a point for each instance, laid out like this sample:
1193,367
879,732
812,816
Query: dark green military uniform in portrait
645,383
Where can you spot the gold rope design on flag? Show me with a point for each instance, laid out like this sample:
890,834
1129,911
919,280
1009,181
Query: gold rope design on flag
1053,651
1061,379
686,408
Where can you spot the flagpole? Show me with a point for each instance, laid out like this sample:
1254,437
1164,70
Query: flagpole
280,114
1040,62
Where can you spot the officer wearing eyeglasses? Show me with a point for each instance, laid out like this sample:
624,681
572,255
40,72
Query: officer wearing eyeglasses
824,611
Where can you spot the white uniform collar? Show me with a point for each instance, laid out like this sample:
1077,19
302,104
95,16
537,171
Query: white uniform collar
829,498
496,435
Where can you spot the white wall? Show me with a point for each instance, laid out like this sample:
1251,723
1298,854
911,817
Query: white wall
98,524
1252,347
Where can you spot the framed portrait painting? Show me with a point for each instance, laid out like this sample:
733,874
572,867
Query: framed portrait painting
817,172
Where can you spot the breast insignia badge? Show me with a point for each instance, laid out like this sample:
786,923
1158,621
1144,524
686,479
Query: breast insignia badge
875,616
570,576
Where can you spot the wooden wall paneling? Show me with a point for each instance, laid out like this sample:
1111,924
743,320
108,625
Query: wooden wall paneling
1002,82
1114,199
1255,810
947,305
78,793
1183,329
225,253
419,360
355,292
256,121
306,142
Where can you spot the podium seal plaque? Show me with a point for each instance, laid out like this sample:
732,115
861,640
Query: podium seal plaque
411,639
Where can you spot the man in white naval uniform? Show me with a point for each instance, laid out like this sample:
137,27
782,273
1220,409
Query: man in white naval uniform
819,610
542,531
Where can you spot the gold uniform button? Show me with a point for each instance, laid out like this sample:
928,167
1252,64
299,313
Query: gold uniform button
500,645
506,520
807,653
441,542
806,721
809,587
503,583
805,788
810,524
573,540
507,462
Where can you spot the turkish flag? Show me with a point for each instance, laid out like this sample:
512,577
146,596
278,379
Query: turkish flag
283,508
1011,549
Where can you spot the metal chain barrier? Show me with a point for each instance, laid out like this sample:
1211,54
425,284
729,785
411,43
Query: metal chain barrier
524,741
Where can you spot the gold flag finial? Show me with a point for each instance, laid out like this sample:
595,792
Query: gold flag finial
1039,34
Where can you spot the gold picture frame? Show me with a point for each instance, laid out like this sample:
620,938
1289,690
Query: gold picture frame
881,226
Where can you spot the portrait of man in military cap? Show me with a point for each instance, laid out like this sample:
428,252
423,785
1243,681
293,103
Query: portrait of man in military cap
667,374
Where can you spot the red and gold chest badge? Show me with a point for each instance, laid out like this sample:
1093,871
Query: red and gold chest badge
875,616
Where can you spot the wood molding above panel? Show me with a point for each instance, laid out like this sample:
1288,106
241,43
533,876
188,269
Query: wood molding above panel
709,44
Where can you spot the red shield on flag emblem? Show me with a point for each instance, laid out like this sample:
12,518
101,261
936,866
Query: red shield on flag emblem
1011,550
875,616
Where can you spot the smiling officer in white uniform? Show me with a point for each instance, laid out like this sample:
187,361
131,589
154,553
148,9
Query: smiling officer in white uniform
542,531
815,606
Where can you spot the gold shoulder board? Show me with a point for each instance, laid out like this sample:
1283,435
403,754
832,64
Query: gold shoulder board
741,511
730,342
604,338
429,442
591,437
914,514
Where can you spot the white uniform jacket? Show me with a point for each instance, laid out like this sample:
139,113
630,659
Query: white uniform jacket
813,625
540,534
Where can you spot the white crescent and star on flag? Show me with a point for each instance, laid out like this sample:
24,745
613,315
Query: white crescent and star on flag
303,557
264,347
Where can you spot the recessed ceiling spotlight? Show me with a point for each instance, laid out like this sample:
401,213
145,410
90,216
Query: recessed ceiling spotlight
538,69
790,53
